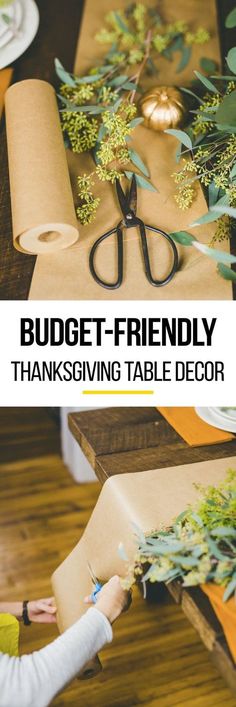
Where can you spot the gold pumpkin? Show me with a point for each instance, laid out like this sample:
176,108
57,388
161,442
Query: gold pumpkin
162,107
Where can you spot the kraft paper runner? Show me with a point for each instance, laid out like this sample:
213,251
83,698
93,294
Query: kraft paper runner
70,278
194,431
43,213
149,499
5,80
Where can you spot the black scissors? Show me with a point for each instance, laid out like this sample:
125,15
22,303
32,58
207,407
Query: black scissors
128,205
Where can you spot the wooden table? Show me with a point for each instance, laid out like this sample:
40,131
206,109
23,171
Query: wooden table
57,37
120,440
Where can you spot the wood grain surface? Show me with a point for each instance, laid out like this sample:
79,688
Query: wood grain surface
156,658
125,440
57,36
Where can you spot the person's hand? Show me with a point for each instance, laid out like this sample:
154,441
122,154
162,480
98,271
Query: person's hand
112,600
42,611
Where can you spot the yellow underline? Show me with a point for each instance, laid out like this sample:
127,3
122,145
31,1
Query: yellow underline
118,392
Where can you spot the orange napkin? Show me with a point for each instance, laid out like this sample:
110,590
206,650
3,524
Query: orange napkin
5,80
193,430
225,612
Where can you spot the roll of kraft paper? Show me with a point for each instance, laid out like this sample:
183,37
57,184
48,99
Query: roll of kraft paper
149,499
43,213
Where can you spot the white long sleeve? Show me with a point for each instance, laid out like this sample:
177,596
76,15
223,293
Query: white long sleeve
34,680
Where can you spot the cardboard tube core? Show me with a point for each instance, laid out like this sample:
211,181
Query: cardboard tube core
49,236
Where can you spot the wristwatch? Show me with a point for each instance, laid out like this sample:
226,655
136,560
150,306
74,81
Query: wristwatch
25,615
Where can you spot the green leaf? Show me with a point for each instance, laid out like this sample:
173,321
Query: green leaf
182,136
121,24
197,519
213,193
183,514
206,82
63,75
226,128
183,237
229,589
191,93
139,533
186,54
208,65
219,255
215,550
176,45
144,183
95,151
116,105
224,531
102,132
230,210
231,19
233,171
226,112
6,18
225,78
185,561
211,216
128,174
136,159
178,152
135,122
226,272
95,110
131,86
105,69
88,79
231,59
118,81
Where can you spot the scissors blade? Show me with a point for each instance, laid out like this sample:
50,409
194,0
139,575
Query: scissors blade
133,195
122,198
92,575
128,202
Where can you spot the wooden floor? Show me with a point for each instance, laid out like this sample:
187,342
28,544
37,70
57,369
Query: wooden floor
156,658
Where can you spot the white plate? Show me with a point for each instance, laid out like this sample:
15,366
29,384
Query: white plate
27,31
15,14
216,419
226,413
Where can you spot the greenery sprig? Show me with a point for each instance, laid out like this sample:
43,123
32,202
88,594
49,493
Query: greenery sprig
99,113
199,547
210,142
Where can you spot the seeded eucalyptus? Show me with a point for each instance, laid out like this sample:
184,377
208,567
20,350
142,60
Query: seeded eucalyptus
199,547
99,112
212,148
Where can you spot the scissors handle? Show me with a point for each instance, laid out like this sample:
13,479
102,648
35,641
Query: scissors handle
117,283
95,592
147,265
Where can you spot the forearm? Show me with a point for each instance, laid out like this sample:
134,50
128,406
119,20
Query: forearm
37,678
14,608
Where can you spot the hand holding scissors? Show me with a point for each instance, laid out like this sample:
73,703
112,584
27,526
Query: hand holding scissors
97,585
